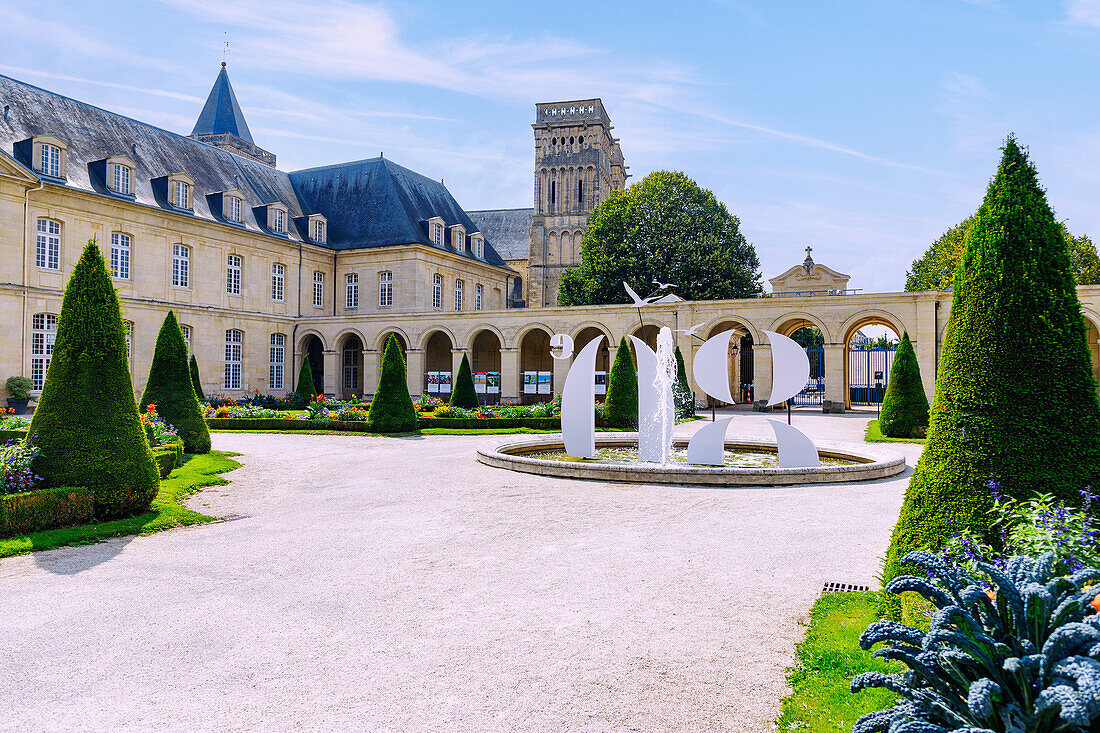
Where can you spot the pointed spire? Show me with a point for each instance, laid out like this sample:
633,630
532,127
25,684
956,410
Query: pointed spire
222,114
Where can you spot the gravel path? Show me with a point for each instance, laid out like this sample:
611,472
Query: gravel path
390,584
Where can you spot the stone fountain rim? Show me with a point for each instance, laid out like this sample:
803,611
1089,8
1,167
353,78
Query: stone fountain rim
876,462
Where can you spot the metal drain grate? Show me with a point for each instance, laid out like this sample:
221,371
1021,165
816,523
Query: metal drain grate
831,587
234,517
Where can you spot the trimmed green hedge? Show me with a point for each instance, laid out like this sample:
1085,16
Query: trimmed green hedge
32,511
274,424
168,457
6,435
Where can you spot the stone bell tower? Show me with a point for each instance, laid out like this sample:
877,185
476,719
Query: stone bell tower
577,163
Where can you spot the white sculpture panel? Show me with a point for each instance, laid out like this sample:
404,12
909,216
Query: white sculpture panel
578,403
710,367
708,446
796,450
790,368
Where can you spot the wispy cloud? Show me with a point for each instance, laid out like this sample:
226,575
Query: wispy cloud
1085,12
23,73
966,84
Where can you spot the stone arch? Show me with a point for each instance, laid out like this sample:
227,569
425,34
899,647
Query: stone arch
710,327
312,348
577,329
1092,338
305,335
472,334
863,372
402,338
585,334
438,347
427,333
871,316
533,343
485,356
788,323
343,334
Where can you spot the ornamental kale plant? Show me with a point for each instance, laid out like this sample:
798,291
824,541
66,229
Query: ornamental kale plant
15,467
157,432
1021,658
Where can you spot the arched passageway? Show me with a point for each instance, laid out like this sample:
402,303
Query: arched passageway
869,347
534,360
351,367
811,337
1092,340
485,363
314,350
437,365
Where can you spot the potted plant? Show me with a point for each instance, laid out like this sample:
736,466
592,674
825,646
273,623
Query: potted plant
19,391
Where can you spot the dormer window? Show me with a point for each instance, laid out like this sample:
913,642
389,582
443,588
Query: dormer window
435,230
44,153
458,237
49,157
181,195
233,206
317,229
477,244
120,176
276,218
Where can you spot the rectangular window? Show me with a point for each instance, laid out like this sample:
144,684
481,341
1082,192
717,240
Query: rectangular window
477,297
121,179
385,289
318,289
278,221
233,275
234,209
120,256
458,295
234,340
351,369
353,291
459,239
43,332
128,327
181,191
186,330
181,266
50,164
48,252
278,350
437,234
277,273
478,244
437,292
318,230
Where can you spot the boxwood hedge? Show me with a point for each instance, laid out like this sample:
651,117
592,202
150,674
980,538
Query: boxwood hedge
32,511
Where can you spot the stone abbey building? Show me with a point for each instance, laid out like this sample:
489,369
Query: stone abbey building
265,268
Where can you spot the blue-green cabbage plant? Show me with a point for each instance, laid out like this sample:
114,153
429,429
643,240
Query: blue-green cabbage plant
1021,657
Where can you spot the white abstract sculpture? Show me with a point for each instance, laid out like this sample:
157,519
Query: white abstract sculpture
796,450
711,368
708,446
561,341
656,405
578,401
790,368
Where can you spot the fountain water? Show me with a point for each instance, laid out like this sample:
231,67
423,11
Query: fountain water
656,406
663,382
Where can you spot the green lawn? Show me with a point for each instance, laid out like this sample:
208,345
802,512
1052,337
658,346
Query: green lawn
874,435
825,663
167,512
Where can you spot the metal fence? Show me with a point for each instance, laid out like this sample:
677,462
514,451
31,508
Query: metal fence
814,391
868,375
746,391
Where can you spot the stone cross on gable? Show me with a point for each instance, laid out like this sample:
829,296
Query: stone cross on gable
808,263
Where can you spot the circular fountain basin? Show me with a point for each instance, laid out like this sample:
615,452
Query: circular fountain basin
840,463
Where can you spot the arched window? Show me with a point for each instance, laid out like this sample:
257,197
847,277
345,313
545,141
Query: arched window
120,255
385,289
233,275
277,280
48,251
580,192
352,300
553,192
477,297
437,292
458,295
278,353
43,332
234,342
181,266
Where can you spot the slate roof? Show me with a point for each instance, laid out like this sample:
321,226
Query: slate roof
369,203
508,229
221,113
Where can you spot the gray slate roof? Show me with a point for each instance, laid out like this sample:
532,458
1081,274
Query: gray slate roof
221,113
508,229
370,203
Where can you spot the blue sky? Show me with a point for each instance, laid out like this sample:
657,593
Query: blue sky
864,129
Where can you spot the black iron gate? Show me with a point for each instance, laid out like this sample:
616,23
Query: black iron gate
868,375
814,391
746,393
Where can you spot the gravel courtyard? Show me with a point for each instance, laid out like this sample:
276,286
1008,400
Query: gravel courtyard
394,584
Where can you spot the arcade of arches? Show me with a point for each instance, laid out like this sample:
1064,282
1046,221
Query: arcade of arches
345,353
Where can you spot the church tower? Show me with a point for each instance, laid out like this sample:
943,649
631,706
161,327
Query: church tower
221,123
577,163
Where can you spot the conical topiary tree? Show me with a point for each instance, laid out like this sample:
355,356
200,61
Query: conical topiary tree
169,388
391,409
196,383
681,391
305,386
464,394
1015,397
86,424
904,406
620,407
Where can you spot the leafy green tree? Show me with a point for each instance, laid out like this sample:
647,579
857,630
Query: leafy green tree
667,228
620,407
681,391
464,394
169,388
904,406
305,385
935,270
86,424
196,383
391,409
809,337
1015,397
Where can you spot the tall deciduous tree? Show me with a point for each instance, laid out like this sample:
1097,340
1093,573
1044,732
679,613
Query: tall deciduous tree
86,422
667,228
1015,397
169,388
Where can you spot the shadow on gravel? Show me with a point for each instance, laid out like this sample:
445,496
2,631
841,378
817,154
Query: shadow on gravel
73,560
